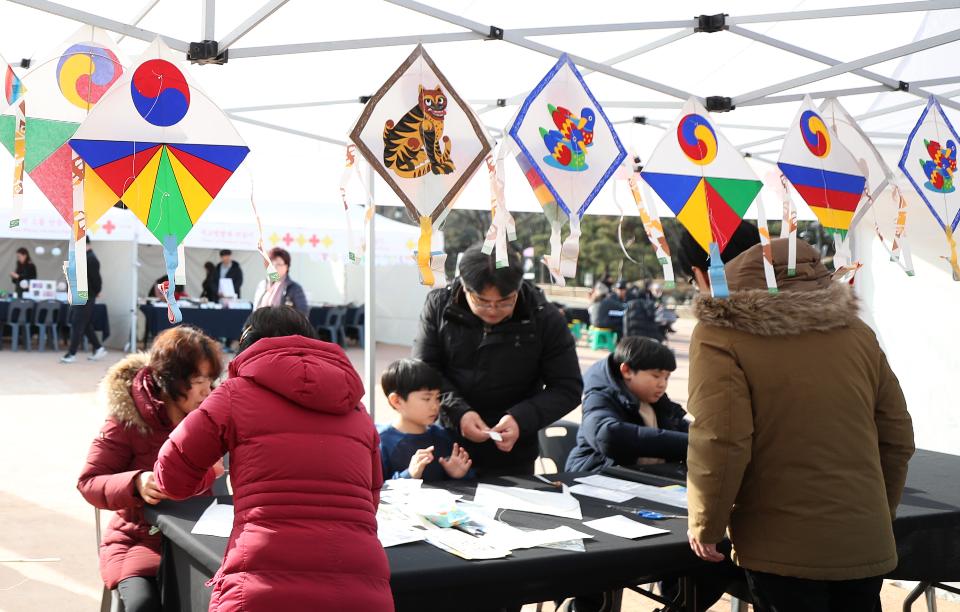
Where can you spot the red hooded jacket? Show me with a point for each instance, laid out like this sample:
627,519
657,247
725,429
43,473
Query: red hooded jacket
128,444
306,474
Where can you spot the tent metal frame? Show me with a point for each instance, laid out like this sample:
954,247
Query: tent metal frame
211,50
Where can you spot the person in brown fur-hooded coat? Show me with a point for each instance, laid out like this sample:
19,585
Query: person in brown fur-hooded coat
801,436
146,395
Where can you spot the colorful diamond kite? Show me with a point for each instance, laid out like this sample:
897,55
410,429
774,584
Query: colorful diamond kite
930,162
424,141
566,138
702,178
822,170
62,90
159,143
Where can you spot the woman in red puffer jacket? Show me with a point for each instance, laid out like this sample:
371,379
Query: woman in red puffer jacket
305,468
146,396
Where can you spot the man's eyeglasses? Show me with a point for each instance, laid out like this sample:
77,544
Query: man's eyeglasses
505,304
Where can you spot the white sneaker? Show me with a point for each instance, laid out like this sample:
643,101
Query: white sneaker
68,359
99,354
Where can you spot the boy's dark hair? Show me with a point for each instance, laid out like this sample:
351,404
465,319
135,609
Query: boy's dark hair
479,271
275,321
225,252
405,376
692,255
640,353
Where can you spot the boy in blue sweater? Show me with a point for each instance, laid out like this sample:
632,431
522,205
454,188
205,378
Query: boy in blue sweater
414,446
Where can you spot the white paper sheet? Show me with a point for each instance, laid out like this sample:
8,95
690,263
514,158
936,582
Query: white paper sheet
600,493
672,496
394,533
624,527
216,520
527,500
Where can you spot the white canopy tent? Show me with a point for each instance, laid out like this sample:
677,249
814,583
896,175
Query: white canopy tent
296,71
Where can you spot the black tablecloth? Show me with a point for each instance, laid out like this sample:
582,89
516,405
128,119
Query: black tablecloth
215,322
101,320
426,578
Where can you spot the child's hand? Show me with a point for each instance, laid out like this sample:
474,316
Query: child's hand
419,461
458,463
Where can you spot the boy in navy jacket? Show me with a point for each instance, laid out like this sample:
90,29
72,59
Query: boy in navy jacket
627,416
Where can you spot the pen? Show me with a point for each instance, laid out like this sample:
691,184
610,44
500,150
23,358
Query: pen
652,515
552,483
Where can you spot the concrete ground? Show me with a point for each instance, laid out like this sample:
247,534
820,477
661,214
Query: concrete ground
48,416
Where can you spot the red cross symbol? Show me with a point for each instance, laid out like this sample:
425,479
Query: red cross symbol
109,227
287,239
314,240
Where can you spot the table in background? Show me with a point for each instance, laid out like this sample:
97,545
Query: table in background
215,322
100,320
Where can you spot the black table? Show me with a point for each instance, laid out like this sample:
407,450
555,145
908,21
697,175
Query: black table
100,320
215,322
425,578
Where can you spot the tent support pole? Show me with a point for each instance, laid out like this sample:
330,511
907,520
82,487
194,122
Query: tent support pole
134,285
209,19
102,22
280,128
370,306
869,60
892,84
359,43
251,22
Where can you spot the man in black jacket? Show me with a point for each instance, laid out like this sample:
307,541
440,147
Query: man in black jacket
508,361
81,317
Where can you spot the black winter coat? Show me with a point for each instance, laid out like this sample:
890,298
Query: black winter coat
234,273
612,432
526,366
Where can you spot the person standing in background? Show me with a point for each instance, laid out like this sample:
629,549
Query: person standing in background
26,271
285,291
82,316
227,268
211,282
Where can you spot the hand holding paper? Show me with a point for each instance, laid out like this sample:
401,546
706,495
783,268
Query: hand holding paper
473,428
509,432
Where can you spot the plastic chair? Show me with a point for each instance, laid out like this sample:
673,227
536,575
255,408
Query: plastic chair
47,317
333,325
353,322
576,328
19,316
110,600
556,442
602,338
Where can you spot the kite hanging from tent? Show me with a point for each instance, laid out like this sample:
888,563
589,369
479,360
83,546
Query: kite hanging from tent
824,173
61,92
930,163
569,147
352,170
160,144
13,95
705,181
423,140
878,177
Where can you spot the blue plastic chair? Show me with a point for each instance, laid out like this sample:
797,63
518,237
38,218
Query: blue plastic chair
46,318
353,322
19,316
332,325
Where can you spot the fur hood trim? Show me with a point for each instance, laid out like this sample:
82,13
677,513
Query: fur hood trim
758,312
115,389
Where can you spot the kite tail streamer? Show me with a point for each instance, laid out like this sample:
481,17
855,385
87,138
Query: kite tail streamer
349,169
952,260
77,258
272,273
19,152
718,279
901,248
503,227
423,253
570,250
623,247
654,229
788,229
170,258
554,215
767,249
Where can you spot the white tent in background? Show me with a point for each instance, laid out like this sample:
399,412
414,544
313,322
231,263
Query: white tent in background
296,74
